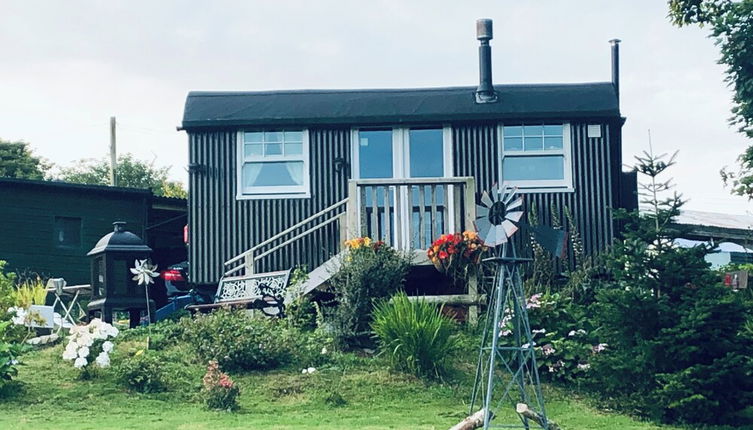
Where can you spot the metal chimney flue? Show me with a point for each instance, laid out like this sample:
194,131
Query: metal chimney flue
616,66
485,92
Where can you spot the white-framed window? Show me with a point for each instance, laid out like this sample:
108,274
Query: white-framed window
536,156
273,164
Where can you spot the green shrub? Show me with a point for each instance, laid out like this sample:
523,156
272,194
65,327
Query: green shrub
9,353
162,334
236,340
143,372
7,287
414,335
369,271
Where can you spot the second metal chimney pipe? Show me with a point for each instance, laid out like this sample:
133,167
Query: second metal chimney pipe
485,92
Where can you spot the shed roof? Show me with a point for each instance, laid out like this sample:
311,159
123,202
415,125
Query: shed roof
391,106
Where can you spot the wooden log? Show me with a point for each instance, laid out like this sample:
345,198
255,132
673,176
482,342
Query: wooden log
523,410
472,422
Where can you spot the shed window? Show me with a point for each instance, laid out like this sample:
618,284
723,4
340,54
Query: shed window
536,156
67,232
273,164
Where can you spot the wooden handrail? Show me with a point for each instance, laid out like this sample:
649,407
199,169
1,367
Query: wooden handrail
286,231
293,239
414,181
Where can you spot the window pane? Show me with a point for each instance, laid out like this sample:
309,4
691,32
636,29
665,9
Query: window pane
533,168
553,142
270,174
513,131
375,153
253,149
273,136
426,153
272,149
534,144
255,136
553,130
533,130
293,136
295,148
513,143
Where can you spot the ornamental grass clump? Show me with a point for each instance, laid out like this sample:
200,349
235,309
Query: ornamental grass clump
92,340
414,335
219,391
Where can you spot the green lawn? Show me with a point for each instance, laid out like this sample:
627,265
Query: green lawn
51,397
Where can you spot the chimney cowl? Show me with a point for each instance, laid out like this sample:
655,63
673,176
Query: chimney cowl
484,33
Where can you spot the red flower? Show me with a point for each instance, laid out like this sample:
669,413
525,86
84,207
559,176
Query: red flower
443,255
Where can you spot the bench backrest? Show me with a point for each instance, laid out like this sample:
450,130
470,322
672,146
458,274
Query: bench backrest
252,286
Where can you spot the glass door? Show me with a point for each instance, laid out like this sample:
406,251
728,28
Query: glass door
400,153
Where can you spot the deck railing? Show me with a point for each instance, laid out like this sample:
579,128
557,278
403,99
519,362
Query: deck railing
407,214
410,213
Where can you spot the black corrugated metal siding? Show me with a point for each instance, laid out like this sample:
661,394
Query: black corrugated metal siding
475,149
222,227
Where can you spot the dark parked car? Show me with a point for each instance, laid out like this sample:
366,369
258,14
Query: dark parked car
175,278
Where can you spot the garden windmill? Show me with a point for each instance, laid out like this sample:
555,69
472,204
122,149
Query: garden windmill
508,373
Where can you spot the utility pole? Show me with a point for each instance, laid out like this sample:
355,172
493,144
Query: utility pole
113,154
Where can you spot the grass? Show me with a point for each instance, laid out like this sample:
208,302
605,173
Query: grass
365,396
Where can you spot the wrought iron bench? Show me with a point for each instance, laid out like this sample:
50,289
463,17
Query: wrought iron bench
264,291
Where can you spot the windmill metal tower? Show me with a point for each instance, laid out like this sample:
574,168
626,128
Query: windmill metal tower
506,373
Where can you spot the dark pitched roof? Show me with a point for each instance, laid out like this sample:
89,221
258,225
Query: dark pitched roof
390,106
78,188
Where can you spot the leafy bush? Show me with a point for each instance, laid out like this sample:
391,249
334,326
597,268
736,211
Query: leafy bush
162,334
219,391
370,271
7,287
235,340
143,372
238,341
561,334
9,353
414,335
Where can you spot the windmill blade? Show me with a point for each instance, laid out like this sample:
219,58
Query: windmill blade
482,211
515,203
483,225
486,200
510,193
509,227
553,240
501,234
514,216
495,191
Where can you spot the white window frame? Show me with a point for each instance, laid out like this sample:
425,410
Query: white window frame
273,192
401,149
541,185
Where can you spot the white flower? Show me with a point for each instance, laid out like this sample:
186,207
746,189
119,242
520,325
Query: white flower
83,352
548,349
107,346
103,360
311,370
144,272
80,362
324,350
70,353
600,347
584,366
571,334
541,331
505,332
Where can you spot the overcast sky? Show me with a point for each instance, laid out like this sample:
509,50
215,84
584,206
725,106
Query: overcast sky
66,67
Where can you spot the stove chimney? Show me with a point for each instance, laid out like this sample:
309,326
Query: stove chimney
616,66
485,92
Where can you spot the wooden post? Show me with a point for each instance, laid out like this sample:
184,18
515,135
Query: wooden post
473,291
113,154
248,264
354,221
469,201
343,227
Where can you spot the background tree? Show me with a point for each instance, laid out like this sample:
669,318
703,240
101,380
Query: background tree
131,173
18,161
731,24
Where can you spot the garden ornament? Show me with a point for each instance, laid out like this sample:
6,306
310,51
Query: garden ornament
506,370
